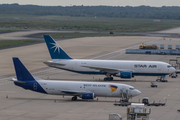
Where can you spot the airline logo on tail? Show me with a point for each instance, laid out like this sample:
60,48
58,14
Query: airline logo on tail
56,46
56,52
113,88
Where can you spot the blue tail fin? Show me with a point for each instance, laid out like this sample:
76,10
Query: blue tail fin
55,50
22,73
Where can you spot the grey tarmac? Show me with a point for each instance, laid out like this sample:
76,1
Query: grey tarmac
19,104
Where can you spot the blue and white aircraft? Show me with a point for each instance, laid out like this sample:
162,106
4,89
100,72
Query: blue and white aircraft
84,90
118,68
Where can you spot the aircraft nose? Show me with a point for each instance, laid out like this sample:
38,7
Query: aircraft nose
137,92
173,70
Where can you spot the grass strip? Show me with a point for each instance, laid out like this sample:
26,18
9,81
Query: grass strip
77,35
11,43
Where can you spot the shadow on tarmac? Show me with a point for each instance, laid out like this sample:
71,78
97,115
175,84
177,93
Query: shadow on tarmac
65,99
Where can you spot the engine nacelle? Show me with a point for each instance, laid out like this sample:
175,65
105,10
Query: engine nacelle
124,74
87,96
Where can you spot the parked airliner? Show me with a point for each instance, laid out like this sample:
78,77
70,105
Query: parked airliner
84,90
118,68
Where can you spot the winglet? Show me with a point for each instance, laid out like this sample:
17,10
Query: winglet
55,50
22,73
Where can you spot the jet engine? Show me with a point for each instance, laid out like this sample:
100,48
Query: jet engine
124,74
87,96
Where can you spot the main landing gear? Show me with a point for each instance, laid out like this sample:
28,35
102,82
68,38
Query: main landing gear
74,98
108,78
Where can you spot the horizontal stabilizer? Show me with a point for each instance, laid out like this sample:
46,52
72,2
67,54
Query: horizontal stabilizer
53,64
20,82
16,81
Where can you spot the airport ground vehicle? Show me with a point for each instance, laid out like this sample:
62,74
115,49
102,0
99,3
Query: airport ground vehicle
138,111
154,84
162,79
145,100
135,111
143,46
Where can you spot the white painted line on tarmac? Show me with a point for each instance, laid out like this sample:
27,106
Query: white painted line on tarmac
121,50
114,52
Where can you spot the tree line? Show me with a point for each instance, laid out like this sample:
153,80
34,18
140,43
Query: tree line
147,12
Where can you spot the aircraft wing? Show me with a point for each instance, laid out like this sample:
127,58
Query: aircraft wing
106,70
72,92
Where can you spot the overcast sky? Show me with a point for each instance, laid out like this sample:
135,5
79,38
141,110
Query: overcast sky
157,3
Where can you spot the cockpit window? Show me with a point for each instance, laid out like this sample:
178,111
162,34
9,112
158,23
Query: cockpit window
131,88
169,66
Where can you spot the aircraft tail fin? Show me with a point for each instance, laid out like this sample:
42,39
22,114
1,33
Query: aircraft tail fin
55,50
22,73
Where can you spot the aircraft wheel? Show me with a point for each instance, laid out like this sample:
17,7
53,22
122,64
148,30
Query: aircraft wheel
74,98
110,78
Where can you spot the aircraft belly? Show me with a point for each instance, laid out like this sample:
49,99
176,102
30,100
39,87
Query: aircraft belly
149,74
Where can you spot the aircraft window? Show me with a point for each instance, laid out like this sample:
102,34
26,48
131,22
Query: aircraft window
131,88
169,66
